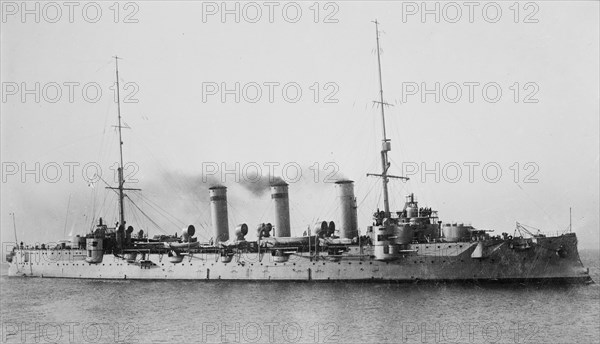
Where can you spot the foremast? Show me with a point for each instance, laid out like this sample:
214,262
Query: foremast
121,180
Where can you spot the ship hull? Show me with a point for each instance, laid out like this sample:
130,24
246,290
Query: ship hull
549,259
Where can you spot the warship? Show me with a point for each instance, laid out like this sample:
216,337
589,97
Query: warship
408,245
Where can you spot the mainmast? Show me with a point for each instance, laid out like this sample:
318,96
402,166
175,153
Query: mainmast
385,142
120,169
386,145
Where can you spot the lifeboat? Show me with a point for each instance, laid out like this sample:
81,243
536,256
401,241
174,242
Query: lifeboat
520,244
175,257
279,256
130,257
181,245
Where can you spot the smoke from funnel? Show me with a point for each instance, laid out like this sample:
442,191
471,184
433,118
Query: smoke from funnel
258,185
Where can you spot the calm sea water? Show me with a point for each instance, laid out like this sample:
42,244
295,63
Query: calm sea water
38,310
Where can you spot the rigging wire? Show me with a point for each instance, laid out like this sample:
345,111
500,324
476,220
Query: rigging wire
174,183
330,214
146,215
162,211
296,210
151,205
234,213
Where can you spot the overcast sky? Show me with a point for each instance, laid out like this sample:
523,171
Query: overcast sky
479,89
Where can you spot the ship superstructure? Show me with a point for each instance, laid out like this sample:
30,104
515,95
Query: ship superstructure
410,244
